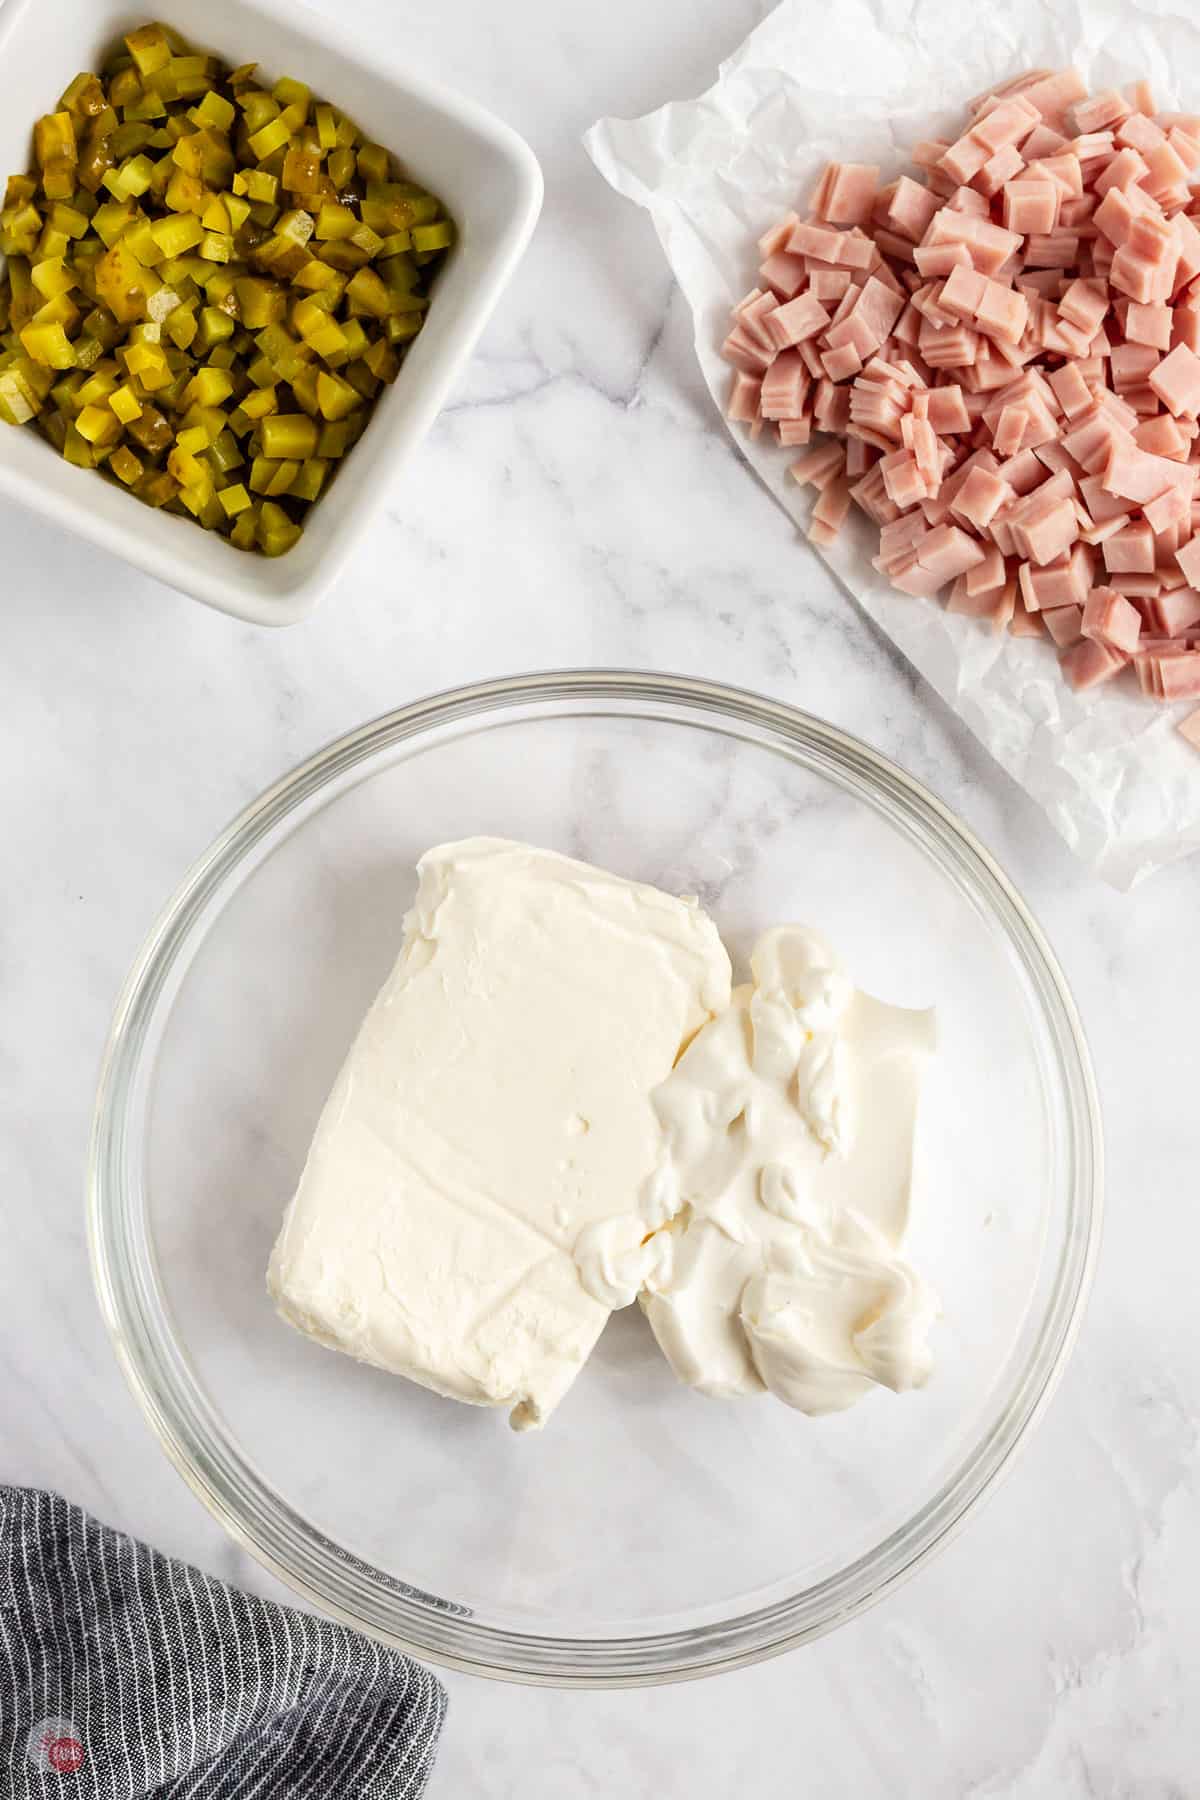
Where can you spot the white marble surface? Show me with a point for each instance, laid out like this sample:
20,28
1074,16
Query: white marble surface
576,505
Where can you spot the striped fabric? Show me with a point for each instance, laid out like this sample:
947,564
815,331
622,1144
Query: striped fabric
125,1674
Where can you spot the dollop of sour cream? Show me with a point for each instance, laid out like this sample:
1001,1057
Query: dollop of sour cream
765,1247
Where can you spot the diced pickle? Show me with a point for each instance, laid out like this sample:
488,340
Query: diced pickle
215,110
276,531
84,98
125,465
234,500
310,481
49,344
208,282
436,236
54,139
289,435
149,49
77,450
98,425
126,405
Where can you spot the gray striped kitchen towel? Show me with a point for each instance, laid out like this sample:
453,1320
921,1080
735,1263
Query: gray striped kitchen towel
125,1675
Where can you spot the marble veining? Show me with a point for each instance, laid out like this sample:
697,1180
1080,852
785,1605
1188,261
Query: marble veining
576,504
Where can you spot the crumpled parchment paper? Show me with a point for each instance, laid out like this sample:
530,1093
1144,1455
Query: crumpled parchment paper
861,81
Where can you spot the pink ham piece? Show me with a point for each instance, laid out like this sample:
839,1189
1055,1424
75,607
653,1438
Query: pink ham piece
996,358
785,274
1030,206
784,388
819,467
744,396
1065,625
1130,551
1190,729
1113,620
1176,381
796,320
1173,674
846,193
948,552
1171,614
1088,663
980,498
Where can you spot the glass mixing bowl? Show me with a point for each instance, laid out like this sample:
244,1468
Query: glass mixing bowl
648,1533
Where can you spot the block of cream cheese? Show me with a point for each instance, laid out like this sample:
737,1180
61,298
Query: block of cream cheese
494,1105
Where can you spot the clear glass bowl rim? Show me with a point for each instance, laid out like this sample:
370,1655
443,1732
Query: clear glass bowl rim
156,1366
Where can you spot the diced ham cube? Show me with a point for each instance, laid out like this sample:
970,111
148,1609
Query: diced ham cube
828,284
1143,133
1054,94
999,168
962,291
843,360
1112,619
1161,436
1050,534
821,241
1070,390
948,552
796,320
1188,559
1052,250
1008,434
1099,110
741,350
1030,206
778,235
819,467
785,387
1149,324
1189,728
964,158
1065,625
980,498
785,274
1066,581
1042,141
1138,476
1122,172
829,514
911,209
1175,612
947,411
1002,313
1062,169
1088,663
1084,303
847,193
1178,677
1176,381
1131,550
986,575
744,394
1005,122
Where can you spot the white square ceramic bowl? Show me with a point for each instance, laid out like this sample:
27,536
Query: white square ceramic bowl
485,174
